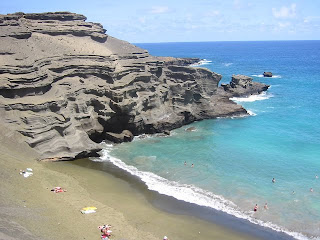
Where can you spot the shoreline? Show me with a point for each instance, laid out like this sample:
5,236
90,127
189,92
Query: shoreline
29,210
128,196
178,207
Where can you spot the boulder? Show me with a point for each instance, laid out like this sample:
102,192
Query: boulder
190,129
166,132
125,136
267,74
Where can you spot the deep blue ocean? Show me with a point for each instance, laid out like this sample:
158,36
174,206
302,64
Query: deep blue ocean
236,159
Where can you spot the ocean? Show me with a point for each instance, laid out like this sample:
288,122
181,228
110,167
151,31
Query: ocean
235,159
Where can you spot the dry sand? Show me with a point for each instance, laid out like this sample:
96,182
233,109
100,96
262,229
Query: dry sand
29,210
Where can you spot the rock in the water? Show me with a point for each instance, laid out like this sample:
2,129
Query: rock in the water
190,129
125,136
166,132
66,86
267,74
243,86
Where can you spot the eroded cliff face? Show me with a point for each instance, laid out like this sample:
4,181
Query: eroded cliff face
65,85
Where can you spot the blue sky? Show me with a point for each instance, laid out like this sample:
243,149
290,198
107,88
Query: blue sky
140,21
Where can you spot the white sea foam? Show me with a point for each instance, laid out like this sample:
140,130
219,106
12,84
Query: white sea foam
261,76
227,64
252,98
276,76
201,62
144,136
192,194
251,113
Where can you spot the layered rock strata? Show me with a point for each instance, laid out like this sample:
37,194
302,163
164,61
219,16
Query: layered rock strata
66,86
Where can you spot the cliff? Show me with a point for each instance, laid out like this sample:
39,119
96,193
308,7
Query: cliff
65,86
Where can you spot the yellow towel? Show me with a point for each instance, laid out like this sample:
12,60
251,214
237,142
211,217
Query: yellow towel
89,208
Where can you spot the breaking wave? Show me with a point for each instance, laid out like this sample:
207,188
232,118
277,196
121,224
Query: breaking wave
201,62
252,98
261,76
251,113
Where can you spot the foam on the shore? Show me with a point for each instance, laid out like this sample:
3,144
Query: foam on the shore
251,113
192,194
252,98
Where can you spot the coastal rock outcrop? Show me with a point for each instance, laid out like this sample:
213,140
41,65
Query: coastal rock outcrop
66,86
125,136
167,61
267,74
242,86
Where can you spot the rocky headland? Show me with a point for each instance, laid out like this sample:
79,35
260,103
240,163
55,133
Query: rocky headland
65,86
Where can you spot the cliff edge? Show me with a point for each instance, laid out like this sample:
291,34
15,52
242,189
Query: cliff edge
65,86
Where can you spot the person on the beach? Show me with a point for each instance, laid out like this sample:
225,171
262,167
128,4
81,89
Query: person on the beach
192,165
165,238
106,232
266,206
58,190
273,180
255,208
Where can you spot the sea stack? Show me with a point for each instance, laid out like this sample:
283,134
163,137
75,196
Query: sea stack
267,74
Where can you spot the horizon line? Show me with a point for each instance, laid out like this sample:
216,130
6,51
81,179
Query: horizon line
290,40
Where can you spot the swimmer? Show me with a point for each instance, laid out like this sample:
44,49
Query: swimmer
317,176
273,180
266,206
192,165
185,163
293,192
255,208
311,189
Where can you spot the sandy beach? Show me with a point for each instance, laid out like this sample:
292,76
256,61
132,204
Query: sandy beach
29,210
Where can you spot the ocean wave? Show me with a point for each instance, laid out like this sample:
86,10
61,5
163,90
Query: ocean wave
201,62
251,113
252,98
191,194
227,64
261,76
155,135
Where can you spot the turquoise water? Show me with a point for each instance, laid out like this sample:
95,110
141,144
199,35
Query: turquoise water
236,159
